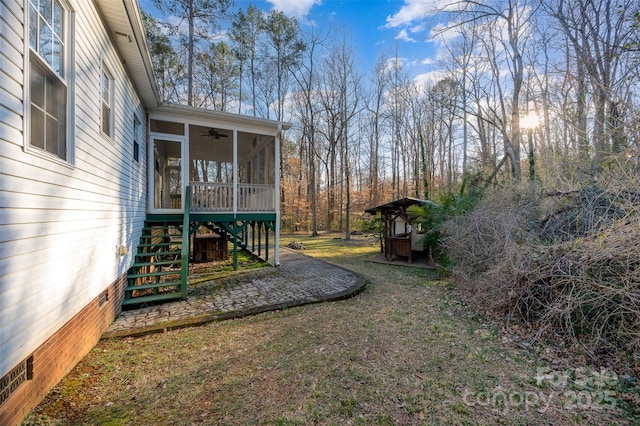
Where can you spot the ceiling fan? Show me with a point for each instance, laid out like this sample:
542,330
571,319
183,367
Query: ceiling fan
215,134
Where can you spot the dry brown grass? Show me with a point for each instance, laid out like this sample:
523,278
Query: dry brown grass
405,351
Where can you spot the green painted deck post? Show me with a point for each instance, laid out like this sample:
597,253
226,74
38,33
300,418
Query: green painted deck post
266,242
235,247
186,243
253,236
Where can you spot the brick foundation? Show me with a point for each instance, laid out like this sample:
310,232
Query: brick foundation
62,351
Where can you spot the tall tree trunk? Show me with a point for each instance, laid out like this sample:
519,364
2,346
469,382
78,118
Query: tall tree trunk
191,43
518,78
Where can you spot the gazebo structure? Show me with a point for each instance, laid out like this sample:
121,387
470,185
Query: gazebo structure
401,235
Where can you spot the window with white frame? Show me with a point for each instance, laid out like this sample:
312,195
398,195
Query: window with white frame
137,137
49,72
107,102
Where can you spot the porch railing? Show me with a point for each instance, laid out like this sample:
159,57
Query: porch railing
218,197
256,197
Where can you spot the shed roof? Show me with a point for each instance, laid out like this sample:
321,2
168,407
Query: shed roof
401,203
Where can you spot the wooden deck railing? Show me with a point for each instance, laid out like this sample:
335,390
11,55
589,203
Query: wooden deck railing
218,197
256,197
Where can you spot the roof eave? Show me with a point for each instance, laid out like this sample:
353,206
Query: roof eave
195,113
124,23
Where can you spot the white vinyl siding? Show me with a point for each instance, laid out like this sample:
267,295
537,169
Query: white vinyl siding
11,65
61,225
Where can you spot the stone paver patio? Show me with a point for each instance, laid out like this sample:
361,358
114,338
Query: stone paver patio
299,280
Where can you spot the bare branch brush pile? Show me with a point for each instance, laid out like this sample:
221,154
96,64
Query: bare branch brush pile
565,262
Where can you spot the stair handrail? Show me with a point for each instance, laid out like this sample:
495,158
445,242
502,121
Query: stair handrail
186,243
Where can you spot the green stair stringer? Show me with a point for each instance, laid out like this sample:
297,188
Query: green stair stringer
156,272
160,271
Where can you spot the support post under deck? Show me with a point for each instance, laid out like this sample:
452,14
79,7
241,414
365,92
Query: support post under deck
186,243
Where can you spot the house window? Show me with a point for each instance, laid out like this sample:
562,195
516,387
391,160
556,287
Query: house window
137,127
48,77
107,102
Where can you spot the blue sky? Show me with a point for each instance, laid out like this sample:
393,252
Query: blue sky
375,26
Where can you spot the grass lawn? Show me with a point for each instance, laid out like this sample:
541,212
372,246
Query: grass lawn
405,351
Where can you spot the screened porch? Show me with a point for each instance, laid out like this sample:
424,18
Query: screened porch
231,166
219,187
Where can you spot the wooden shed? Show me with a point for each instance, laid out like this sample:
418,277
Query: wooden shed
210,247
401,236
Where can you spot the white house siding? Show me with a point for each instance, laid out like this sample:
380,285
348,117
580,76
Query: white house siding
61,225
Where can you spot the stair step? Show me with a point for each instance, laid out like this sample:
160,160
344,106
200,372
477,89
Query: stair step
161,263
151,298
157,253
152,285
157,244
148,236
148,227
161,240
162,237
153,274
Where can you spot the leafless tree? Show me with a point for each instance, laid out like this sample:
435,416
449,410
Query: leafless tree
306,112
597,31
202,17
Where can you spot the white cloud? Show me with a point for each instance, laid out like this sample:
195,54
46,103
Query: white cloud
415,10
419,28
297,8
394,63
442,33
412,10
428,79
404,36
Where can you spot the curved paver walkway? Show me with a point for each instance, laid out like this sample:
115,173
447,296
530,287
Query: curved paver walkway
298,280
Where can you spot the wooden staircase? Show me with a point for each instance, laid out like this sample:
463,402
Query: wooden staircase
158,271
161,267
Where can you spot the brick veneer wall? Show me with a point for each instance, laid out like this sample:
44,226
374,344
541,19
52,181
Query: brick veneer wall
62,351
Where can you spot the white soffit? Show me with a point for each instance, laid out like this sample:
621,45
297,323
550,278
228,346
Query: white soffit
126,30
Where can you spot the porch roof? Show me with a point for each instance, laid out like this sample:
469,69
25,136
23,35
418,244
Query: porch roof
219,119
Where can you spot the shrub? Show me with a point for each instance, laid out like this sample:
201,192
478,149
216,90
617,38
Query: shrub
376,227
587,289
433,216
491,243
566,262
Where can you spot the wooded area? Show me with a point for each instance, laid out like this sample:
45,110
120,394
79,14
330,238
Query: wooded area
545,90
